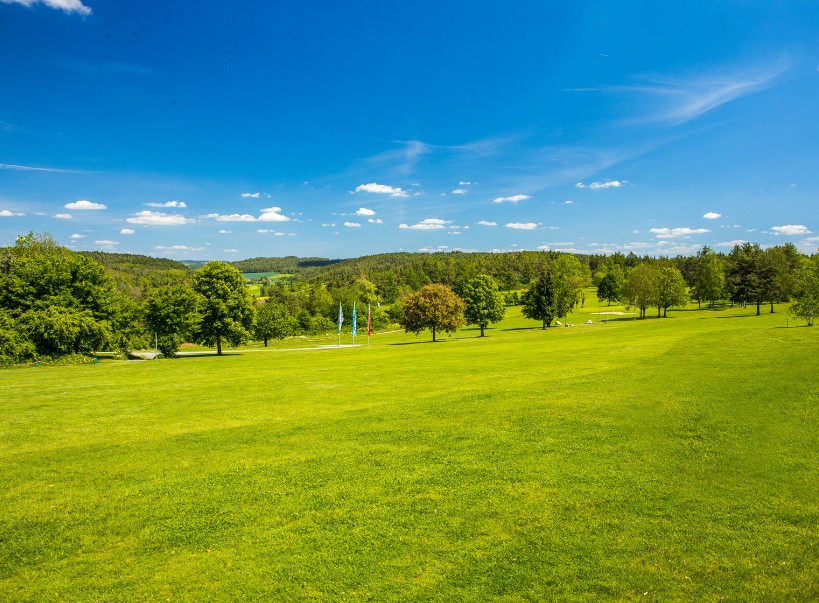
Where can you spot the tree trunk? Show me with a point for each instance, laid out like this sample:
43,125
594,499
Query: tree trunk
218,344
544,324
772,308
433,333
659,308
482,326
665,315
757,308
265,342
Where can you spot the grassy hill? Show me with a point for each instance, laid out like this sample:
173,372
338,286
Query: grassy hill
665,459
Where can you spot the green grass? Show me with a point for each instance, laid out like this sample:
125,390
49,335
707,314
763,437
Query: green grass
663,460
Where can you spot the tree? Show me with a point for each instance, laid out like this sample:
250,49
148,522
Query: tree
549,297
671,288
640,287
806,302
484,303
226,308
611,285
709,280
273,321
752,273
171,313
61,302
434,307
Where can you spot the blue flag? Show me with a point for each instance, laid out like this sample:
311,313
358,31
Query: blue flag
354,325
340,317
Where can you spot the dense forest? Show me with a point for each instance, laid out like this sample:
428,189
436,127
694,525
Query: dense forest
55,302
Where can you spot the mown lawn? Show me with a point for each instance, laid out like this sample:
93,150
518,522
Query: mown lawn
667,460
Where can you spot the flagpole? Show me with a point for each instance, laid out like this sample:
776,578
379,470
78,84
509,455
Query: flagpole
368,325
340,320
353,327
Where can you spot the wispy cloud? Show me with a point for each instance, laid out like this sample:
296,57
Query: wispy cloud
512,199
181,204
352,225
522,225
5,213
681,99
675,233
602,185
29,168
63,216
111,68
251,195
68,6
486,223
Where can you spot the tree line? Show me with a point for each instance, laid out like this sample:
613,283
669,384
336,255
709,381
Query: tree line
55,302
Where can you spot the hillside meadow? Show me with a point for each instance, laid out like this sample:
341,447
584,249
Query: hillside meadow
670,459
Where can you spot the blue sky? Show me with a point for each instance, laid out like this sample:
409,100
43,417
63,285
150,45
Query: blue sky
235,130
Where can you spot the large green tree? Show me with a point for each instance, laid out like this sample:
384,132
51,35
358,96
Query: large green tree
226,307
640,287
171,313
549,297
59,301
273,321
671,288
806,298
484,303
435,307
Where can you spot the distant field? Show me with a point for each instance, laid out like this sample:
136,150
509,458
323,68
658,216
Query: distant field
257,276
663,460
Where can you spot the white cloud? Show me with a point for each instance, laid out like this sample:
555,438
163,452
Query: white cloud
375,220
485,223
428,224
63,216
231,250
4,213
512,199
363,211
127,231
675,233
272,214
275,233
712,215
522,226
69,6
180,204
790,229
464,183
601,185
352,225
731,243
177,248
460,191
78,236
568,202
251,195
223,231
381,189
157,218
83,204
329,225
230,217
106,242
